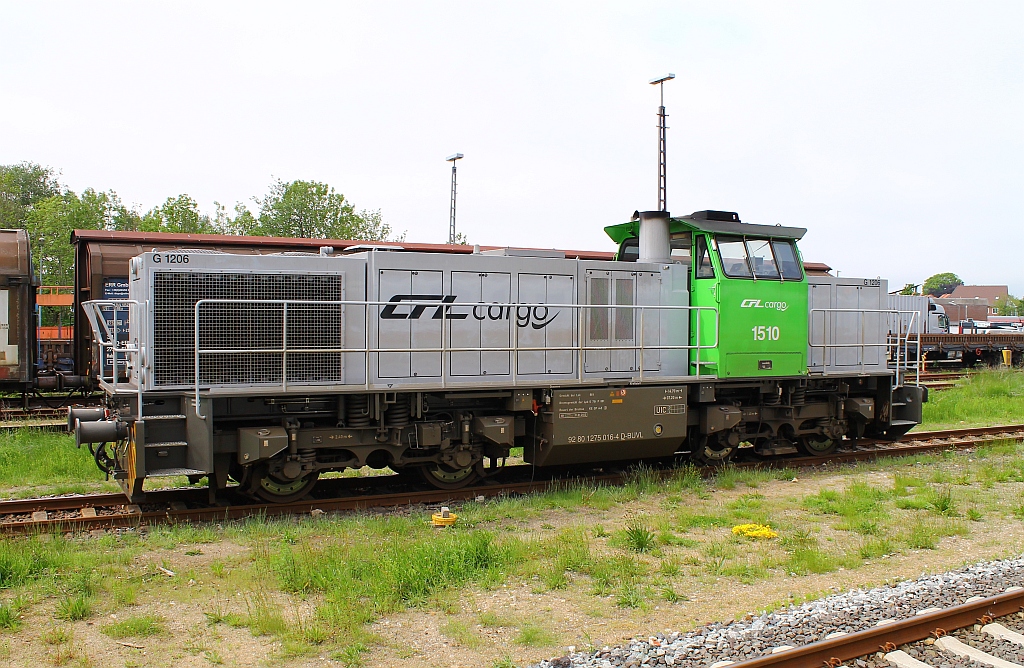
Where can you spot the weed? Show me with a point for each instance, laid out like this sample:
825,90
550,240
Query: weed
669,594
642,480
806,560
57,635
213,657
460,633
136,627
942,502
532,635
631,594
10,614
914,503
600,532
74,608
264,616
974,515
638,538
686,520
504,662
669,567
874,548
493,620
921,536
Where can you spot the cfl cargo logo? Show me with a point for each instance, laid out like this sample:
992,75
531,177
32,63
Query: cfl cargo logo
537,317
757,303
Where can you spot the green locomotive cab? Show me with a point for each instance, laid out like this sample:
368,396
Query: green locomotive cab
753,276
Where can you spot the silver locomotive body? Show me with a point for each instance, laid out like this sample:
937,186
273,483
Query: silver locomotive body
271,369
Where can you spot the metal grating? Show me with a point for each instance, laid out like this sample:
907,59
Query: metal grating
247,328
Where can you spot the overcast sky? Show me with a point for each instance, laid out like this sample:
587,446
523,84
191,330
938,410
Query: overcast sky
893,131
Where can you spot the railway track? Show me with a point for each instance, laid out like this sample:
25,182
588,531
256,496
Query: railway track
43,412
958,631
105,511
928,634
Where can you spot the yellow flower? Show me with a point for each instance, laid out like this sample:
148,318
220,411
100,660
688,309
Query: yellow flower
754,531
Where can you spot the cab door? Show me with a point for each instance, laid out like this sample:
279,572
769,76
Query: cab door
705,291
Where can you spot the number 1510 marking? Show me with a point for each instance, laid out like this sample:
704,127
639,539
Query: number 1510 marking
763,333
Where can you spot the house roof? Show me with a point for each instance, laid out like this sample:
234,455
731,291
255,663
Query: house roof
992,293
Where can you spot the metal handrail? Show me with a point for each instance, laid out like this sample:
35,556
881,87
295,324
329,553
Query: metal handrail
900,343
445,350
107,339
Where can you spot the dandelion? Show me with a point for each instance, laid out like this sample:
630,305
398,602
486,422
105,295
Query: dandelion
754,531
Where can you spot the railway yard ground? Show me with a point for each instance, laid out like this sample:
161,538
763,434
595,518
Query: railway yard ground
521,579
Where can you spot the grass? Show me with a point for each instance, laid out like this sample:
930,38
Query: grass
142,626
34,462
312,586
982,399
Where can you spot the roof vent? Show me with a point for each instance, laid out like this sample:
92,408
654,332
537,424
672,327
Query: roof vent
723,216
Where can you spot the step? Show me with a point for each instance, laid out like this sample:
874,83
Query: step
167,444
147,418
902,423
166,473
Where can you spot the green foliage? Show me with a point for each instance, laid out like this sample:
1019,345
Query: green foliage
981,399
22,186
74,607
638,538
909,289
941,284
311,210
179,214
141,626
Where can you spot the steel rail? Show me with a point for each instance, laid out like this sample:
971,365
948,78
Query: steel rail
833,651
132,515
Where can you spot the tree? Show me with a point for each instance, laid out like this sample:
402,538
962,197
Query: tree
909,289
178,214
941,284
1011,306
310,210
50,222
22,186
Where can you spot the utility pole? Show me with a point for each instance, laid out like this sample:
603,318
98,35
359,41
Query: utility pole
662,157
451,216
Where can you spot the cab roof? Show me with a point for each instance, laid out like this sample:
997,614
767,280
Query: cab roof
715,222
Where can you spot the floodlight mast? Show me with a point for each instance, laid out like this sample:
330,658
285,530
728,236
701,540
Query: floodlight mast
662,155
451,216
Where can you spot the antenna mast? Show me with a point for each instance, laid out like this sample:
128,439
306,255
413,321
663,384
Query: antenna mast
662,155
451,214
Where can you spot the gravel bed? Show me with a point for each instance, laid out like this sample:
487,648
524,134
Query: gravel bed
934,657
798,625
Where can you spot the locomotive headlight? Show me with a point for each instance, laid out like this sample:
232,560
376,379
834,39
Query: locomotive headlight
658,430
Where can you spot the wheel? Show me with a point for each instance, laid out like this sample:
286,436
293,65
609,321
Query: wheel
278,490
817,445
443,477
712,450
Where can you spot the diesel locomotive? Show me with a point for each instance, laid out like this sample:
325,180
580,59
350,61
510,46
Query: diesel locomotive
702,337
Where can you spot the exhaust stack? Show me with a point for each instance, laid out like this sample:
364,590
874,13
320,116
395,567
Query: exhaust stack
655,243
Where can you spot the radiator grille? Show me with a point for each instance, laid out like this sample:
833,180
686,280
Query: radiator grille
251,328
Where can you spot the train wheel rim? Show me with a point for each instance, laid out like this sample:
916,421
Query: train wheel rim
446,478
284,491
818,445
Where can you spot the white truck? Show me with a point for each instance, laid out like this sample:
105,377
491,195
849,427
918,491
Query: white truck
930,319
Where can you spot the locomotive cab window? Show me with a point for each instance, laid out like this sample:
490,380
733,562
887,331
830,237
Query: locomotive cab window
629,251
759,251
733,253
785,255
702,264
681,242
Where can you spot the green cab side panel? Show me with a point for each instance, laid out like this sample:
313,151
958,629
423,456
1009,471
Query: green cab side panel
762,326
